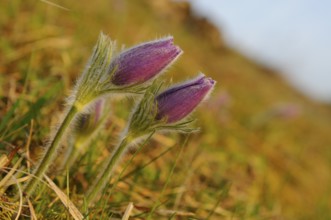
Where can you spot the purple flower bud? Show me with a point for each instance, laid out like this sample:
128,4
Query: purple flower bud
87,122
98,109
141,63
179,101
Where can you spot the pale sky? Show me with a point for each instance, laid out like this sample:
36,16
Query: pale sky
293,36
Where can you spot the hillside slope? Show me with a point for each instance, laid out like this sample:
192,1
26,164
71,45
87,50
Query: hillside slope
264,150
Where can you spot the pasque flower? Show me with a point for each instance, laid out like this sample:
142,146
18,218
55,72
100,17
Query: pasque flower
168,110
177,102
106,73
165,111
86,127
87,122
141,63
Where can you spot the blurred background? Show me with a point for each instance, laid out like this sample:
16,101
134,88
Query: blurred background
290,36
264,150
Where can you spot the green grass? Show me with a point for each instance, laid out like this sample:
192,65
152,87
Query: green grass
248,162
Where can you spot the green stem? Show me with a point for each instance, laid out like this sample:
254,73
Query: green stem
104,177
50,152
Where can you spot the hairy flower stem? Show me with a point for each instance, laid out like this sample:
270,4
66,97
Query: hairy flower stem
104,176
51,151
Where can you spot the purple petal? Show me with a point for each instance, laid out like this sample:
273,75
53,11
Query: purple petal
98,108
143,62
177,102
